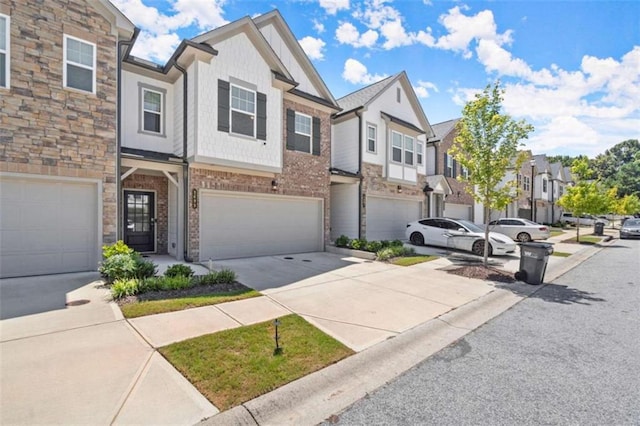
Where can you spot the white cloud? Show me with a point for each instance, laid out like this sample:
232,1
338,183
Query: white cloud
346,33
313,47
565,133
156,47
356,73
423,89
395,35
333,6
318,26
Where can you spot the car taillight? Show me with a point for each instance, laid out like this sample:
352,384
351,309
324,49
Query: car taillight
544,228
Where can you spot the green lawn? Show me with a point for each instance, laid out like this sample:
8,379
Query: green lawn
584,239
412,260
561,254
237,365
555,232
150,307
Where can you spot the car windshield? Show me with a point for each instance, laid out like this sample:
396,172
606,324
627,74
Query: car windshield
470,226
632,222
528,222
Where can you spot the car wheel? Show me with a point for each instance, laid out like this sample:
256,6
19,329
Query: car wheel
523,237
478,248
417,239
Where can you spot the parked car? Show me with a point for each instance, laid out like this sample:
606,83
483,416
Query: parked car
457,234
522,230
630,229
585,220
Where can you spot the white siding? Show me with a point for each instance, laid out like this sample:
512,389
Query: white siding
344,210
131,114
431,161
288,59
344,145
178,116
239,59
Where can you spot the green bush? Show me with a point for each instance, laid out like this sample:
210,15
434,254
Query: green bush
179,270
373,246
151,284
394,251
396,243
118,267
225,276
118,247
343,241
175,283
124,287
144,268
358,244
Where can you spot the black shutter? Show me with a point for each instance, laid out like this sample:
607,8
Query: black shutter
223,106
446,169
261,129
291,129
455,167
316,136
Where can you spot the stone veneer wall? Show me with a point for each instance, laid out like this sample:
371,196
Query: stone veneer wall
158,184
46,129
303,175
455,184
374,183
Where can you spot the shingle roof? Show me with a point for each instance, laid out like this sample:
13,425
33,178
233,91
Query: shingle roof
443,129
363,96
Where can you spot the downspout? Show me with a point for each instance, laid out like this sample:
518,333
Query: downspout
128,44
360,199
553,201
185,166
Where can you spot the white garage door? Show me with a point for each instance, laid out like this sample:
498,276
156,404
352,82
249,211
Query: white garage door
245,225
47,226
457,211
387,218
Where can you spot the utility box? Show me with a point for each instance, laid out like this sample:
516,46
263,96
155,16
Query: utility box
598,228
533,262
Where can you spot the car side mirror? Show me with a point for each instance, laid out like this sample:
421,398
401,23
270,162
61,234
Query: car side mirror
462,230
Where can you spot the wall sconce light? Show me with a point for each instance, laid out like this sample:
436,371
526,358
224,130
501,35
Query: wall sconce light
194,198
427,189
458,194
274,185
399,189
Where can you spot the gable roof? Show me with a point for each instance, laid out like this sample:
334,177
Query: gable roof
441,130
124,28
274,17
365,96
248,26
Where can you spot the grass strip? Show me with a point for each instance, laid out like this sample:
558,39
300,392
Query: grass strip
151,307
556,232
412,260
237,365
560,254
584,239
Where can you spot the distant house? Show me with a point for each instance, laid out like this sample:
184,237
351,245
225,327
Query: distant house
378,161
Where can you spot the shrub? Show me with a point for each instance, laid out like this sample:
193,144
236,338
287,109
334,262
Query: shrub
118,267
385,254
342,241
396,243
124,287
175,283
144,268
358,244
208,279
373,246
225,276
179,270
394,251
118,247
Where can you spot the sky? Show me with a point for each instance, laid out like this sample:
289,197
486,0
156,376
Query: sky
569,68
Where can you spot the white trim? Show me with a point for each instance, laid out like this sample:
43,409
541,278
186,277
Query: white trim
142,88
309,135
155,212
375,138
419,153
65,62
7,51
253,114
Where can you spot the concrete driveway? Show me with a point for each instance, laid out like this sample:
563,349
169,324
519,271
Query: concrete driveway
68,357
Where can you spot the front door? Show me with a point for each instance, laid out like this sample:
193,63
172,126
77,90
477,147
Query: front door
139,214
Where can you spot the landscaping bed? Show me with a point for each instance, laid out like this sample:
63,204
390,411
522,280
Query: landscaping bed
481,272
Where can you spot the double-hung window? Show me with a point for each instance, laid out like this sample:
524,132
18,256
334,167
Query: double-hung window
372,133
396,147
465,172
525,183
419,154
303,132
408,151
152,111
79,64
544,185
4,51
449,166
243,111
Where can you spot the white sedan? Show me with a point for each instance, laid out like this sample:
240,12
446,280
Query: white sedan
457,234
522,230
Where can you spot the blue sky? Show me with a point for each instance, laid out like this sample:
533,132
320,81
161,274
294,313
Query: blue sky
570,68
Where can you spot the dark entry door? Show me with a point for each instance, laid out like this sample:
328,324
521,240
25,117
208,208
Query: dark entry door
139,214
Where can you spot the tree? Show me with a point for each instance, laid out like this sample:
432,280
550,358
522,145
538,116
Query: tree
565,160
627,205
586,196
487,146
619,166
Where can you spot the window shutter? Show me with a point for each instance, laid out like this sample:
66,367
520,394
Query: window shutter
446,168
291,129
223,106
315,150
261,128
455,166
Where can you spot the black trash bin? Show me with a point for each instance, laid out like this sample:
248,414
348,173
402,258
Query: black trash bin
598,228
533,262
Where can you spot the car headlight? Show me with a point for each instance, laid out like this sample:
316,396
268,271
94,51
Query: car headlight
497,240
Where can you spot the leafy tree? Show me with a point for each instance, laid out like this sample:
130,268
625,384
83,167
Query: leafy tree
586,196
627,205
619,167
565,160
487,145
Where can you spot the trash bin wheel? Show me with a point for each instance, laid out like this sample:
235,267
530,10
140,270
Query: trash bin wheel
521,276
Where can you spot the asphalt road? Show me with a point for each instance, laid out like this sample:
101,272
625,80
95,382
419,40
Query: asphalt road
569,354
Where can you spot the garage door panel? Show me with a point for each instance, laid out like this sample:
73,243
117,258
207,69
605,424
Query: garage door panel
47,226
387,218
255,225
458,211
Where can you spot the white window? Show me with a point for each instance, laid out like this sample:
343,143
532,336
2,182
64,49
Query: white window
152,110
449,172
544,185
79,64
372,132
5,55
303,132
396,147
243,111
408,150
526,181
419,150
465,172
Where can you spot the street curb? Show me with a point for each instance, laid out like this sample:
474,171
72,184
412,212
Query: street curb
318,396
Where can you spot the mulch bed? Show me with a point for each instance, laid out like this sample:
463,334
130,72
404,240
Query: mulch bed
481,272
200,290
